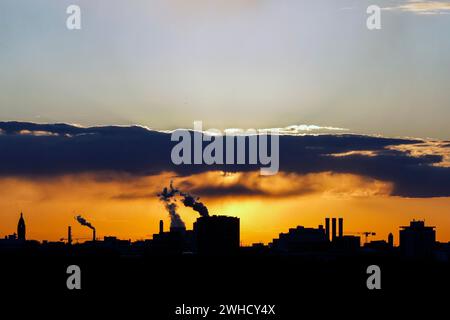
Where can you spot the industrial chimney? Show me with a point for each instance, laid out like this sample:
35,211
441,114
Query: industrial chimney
69,235
327,228
161,227
341,227
93,234
333,229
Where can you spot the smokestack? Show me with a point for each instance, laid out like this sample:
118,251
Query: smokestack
84,222
327,228
341,227
333,229
161,226
69,235
168,195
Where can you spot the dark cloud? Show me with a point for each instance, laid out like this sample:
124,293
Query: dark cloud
134,196
236,189
138,151
133,150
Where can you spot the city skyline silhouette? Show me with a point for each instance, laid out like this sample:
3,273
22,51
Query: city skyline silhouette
224,159
220,235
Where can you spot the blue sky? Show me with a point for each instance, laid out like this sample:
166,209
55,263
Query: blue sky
240,63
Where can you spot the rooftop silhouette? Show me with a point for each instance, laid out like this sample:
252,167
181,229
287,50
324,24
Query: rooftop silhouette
219,235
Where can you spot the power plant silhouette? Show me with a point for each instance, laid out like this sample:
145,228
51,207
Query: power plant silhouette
219,235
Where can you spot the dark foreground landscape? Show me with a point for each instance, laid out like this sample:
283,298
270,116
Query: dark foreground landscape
156,285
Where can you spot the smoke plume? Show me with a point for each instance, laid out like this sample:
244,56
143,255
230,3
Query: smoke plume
168,196
190,201
84,222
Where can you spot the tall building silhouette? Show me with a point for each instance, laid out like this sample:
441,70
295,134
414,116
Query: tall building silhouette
21,228
417,240
217,234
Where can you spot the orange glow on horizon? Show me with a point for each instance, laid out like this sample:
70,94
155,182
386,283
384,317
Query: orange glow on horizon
127,207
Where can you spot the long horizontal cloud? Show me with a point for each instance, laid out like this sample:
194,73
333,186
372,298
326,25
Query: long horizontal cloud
212,184
40,150
423,7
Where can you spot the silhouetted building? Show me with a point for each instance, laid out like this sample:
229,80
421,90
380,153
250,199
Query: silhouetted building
442,251
173,242
417,240
347,243
256,249
177,228
217,235
301,239
21,228
327,228
177,241
114,243
12,237
391,240
379,245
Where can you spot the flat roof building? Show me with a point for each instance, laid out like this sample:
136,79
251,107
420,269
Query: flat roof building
217,235
417,240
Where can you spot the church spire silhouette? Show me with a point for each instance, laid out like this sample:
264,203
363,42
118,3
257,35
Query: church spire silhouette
21,228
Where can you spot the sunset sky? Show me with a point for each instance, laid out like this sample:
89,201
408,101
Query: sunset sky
49,207
364,113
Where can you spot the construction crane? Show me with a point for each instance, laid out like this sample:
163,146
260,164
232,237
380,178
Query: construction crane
66,239
366,234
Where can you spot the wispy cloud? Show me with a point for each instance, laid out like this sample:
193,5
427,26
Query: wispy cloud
427,148
423,7
306,129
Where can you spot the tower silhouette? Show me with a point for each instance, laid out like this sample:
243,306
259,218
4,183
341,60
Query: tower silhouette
391,240
21,228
